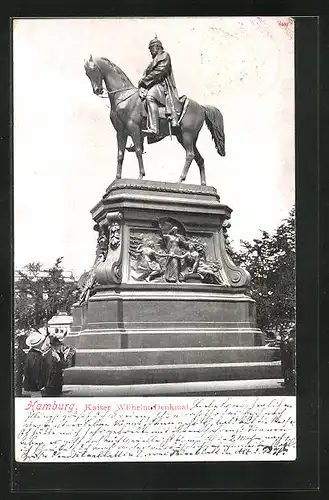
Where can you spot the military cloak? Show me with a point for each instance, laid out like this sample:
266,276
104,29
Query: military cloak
159,80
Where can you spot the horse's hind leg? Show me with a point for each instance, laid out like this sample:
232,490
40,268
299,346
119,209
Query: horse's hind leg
200,161
135,133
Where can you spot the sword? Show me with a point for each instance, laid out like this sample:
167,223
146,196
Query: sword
173,111
169,125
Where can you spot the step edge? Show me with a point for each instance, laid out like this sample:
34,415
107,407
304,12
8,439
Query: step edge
204,385
177,366
178,349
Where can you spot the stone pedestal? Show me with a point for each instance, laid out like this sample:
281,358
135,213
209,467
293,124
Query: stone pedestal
163,297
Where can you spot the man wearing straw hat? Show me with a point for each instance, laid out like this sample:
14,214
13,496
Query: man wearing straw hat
35,369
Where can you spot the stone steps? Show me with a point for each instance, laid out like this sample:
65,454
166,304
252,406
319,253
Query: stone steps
148,339
271,387
169,356
156,374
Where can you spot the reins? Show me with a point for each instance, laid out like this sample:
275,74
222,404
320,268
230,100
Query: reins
120,90
114,91
109,92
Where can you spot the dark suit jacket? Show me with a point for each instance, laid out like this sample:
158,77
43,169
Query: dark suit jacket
35,371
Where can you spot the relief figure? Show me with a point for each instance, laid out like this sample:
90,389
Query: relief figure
147,263
194,264
174,243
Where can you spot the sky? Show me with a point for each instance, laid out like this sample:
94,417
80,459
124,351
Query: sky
65,146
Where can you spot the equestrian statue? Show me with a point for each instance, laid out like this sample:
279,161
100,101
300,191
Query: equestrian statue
154,109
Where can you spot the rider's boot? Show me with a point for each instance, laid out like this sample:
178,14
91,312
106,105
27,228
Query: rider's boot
153,117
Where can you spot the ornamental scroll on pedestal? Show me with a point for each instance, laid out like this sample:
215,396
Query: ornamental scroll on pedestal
107,266
238,276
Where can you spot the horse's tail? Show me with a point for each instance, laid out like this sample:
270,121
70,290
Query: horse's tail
215,123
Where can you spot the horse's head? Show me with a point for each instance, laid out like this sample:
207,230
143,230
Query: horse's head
94,74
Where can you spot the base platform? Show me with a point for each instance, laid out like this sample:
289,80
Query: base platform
264,387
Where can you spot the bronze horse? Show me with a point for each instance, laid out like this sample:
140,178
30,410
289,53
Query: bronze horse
127,116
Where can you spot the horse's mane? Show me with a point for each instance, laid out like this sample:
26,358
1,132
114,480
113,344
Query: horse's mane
123,77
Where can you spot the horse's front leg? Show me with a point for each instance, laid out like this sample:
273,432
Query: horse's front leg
136,136
122,141
187,141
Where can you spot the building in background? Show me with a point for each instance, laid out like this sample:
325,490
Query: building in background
44,273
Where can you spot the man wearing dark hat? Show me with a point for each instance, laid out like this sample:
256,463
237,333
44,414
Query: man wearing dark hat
60,357
158,88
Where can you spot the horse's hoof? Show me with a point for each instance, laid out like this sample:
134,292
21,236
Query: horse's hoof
181,179
141,176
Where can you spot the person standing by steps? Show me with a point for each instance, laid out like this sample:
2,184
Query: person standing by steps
57,359
35,367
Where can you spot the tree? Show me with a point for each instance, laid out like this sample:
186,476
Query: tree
270,261
40,293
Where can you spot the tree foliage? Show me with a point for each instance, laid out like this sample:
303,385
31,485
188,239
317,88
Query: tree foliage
40,293
270,260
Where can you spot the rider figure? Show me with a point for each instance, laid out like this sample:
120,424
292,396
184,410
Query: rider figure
158,88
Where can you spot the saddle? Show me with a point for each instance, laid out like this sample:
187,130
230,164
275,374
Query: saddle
164,110
181,105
